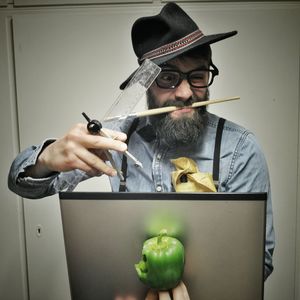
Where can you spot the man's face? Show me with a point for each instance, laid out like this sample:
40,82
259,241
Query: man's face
184,126
183,94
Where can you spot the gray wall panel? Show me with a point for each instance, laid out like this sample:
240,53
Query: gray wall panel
13,279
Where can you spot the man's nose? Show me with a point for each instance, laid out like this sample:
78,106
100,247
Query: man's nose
183,92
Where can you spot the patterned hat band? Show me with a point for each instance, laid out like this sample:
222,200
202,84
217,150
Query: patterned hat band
174,46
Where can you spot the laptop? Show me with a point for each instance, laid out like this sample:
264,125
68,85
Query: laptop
223,235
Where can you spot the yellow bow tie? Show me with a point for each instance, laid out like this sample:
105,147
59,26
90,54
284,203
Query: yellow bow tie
188,178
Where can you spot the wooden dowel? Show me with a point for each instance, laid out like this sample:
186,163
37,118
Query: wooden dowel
168,109
156,111
208,102
162,110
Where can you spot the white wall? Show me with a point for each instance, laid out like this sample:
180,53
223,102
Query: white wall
71,59
12,245
297,277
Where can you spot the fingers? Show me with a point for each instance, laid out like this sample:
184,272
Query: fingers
80,135
164,295
89,162
180,292
79,149
91,150
116,135
100,142
151,295
100,153
125,298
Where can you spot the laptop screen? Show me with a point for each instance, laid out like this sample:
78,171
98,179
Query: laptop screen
223,235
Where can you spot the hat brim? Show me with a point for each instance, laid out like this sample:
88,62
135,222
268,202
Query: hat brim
205,40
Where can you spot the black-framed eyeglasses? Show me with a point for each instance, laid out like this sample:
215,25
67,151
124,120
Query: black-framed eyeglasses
199,78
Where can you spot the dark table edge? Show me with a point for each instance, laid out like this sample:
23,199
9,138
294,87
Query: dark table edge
161,196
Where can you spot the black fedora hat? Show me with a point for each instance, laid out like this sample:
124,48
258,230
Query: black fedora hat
167,35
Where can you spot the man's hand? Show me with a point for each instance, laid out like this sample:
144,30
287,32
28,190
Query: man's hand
78,149
178,293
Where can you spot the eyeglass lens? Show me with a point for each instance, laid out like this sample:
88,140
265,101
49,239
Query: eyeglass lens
171,78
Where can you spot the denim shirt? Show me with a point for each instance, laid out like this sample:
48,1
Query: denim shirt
243,168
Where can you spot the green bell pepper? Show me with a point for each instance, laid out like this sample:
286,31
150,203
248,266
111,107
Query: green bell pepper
162,263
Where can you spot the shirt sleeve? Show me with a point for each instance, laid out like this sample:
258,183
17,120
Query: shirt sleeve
248,172
29,187
34,188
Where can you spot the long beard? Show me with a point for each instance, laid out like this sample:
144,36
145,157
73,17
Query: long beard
183,131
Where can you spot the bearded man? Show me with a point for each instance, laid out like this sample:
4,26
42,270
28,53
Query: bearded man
172,40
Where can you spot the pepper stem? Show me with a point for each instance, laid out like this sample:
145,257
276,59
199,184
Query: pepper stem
162,233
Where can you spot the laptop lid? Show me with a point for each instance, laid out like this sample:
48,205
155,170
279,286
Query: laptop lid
223,235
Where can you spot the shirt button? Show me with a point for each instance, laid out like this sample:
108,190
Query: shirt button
158,188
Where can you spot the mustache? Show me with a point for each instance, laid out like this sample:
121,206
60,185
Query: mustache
179,103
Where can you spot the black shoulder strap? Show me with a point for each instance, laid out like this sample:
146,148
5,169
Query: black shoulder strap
122,187
217,151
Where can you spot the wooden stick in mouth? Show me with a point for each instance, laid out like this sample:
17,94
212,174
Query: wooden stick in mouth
168,109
